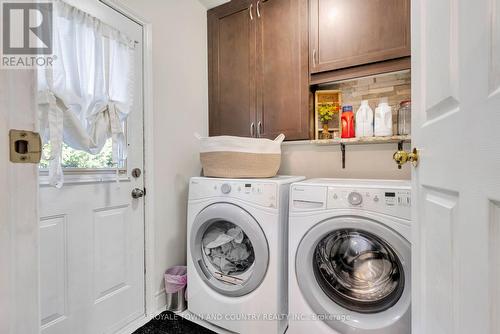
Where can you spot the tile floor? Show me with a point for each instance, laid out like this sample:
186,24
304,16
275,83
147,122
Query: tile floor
170,323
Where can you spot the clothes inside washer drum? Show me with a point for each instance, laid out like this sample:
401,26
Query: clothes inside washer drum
358,270
228,248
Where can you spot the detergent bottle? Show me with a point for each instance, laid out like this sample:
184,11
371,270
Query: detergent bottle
347,122
364,120
383,119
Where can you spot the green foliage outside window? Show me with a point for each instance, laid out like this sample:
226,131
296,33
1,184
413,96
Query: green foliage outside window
72,158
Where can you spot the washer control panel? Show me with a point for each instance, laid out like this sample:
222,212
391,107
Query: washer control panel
225,188
354,198
260,193
395,202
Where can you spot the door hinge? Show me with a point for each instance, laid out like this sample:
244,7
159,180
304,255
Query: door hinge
25,147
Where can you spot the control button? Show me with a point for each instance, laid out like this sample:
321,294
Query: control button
355,198
335,196
376,199
225,188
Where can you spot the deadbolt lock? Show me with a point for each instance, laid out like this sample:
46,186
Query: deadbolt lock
401,157
25,147
136,172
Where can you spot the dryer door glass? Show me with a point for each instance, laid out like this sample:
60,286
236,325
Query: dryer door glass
358,271
228,253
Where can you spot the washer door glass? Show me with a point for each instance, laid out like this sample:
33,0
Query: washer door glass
229,249
227,252
358,270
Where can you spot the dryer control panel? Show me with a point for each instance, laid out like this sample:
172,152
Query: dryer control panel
259,193
395,202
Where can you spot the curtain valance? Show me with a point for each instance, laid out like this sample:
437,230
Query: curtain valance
86,96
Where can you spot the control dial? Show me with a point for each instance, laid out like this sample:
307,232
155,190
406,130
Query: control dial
355,198
225,188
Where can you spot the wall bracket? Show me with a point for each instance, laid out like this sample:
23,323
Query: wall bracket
342,148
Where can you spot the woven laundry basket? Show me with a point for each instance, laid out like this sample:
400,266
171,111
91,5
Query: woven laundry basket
240,157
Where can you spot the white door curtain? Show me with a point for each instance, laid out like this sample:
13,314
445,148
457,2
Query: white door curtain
86,96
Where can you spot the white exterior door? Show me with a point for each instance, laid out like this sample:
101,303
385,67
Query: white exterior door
456,120
92,230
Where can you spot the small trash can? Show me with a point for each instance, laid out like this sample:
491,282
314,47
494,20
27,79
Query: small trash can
175,288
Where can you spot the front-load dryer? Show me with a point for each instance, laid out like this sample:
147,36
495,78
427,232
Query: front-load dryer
237,252
350,257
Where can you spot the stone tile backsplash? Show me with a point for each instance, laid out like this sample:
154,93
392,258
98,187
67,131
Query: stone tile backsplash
395,86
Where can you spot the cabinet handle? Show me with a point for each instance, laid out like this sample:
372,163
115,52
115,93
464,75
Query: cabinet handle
314,58
258,9
250,11
252,129
259,129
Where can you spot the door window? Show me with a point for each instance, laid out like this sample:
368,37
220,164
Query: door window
358,271
73,159
227,252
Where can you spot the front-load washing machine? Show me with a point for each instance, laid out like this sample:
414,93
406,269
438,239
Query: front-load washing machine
350,257
237,252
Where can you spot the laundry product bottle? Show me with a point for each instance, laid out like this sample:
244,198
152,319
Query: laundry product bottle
364,120
383,119
347,122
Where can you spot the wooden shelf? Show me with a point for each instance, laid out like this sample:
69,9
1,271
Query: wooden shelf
343,142
362,141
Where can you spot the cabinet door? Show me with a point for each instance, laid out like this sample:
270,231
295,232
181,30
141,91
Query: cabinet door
347,33
282,70
231,57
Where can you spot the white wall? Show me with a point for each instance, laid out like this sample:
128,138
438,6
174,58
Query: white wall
213,3
180,109
372,161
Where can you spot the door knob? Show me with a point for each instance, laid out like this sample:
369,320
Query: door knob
137,193
401,157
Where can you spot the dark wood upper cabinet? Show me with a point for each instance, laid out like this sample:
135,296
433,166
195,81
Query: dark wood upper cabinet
347,33
231,56
282,67
258,69
263,54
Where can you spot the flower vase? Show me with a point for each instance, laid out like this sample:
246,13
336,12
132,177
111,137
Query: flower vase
326,133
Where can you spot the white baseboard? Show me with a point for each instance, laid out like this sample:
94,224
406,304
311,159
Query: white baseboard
161,300
138,323
161,303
